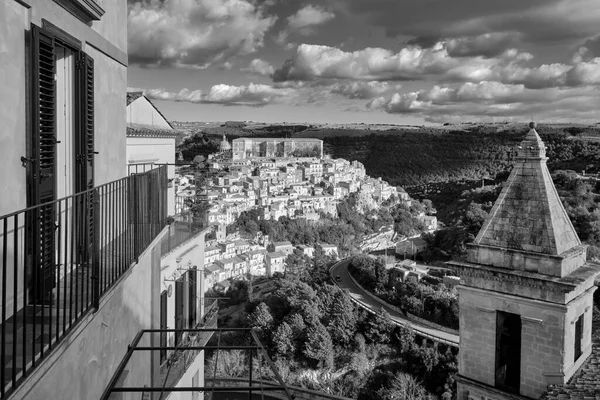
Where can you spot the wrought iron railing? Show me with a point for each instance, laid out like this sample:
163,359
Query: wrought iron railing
187,222
60,257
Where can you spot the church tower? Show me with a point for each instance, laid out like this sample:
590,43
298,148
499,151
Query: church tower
525,294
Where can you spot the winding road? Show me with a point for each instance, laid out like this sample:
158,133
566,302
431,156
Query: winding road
359,296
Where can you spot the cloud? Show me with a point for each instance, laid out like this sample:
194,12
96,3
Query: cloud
485,100
193,33
303,23
544,22
308,16
486,45
259,67
360,89
255,95
412,62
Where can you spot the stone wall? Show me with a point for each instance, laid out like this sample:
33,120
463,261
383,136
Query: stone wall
545,334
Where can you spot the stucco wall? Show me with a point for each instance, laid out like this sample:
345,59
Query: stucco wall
142,112
189,253
13,117
187,379
110,87
113,24
84,362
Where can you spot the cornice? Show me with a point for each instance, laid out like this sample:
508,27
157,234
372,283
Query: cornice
85,10
495,274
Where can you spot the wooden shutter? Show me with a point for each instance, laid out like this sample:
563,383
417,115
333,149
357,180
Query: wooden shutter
163,325
43,163
87,120
192,303
84,154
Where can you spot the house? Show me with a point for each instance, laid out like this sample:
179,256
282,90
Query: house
411,246
305,250
329,249
212,254
431,223
150,139
284,247
275,262
63,74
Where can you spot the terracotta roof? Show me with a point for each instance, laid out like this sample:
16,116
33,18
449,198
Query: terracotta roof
528,214
150,132
132,96
585,384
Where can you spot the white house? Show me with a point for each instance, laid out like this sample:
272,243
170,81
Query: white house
150,139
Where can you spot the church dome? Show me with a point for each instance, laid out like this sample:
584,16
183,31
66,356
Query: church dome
225,145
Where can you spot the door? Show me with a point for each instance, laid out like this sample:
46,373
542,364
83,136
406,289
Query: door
163,326
179,286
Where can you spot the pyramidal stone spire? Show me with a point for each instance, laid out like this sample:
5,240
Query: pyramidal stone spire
528,222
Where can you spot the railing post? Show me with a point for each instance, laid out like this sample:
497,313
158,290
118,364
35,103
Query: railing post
250,380
136,221
96,251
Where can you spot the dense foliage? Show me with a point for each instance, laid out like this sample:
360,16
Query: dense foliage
428,299
319,340
346,231
406,158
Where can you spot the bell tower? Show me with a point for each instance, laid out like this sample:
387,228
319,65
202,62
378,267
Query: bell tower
525,294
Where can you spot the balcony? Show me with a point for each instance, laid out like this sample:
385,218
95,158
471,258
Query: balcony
259,365
60,258
188,219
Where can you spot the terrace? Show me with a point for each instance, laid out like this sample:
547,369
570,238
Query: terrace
60,258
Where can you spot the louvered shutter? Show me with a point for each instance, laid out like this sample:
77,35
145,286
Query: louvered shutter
84,175
43,156
88,119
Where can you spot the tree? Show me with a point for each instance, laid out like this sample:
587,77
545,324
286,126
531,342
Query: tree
261,320
283,340
405,387
319,347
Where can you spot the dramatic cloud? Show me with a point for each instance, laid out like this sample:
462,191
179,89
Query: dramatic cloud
254,95
309,16
538,21
259,67
193,33
360,90
412,62
487,45
485,100
303,22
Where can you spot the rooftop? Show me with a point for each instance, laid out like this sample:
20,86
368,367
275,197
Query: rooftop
528,214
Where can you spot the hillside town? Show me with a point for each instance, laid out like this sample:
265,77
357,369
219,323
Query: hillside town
276,184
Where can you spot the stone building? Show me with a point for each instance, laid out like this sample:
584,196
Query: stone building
525,294
276,147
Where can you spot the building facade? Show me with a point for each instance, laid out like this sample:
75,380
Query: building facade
72,272
244,148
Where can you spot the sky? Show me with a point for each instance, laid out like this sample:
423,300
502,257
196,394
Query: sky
370,61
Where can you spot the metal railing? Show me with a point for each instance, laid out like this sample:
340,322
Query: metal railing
256,357
60,257
186,223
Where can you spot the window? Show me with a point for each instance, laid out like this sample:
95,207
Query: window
179,306
192,297
163,325
61,145
508,351
578,338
